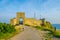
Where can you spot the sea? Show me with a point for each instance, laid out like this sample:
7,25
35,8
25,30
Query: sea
57,26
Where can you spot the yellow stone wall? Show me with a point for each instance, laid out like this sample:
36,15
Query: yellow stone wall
13,21
29,21
33,22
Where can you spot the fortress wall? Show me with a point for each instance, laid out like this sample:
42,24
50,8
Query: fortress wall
29,21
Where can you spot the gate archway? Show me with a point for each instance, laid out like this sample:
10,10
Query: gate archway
21,21
20,18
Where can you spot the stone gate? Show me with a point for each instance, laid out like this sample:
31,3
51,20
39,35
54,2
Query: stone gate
16,21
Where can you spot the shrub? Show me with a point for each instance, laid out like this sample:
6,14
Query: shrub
7,28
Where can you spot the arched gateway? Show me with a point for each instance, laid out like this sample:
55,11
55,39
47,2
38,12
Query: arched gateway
21,21
20,17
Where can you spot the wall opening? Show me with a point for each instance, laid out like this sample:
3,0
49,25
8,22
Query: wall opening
21,21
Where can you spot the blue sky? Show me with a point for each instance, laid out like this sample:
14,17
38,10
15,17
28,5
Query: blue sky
49,9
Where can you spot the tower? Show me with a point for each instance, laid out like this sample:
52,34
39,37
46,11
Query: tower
20,17
43,21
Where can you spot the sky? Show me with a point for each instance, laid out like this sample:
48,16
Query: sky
48,9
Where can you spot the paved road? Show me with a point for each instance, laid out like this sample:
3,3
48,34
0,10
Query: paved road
27,34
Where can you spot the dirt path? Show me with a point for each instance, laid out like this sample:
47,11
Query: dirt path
27,34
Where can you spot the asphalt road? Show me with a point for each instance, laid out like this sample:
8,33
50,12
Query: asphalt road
27,34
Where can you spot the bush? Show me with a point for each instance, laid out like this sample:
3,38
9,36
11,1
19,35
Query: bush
7,28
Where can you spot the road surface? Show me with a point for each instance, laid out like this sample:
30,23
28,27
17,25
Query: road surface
27,34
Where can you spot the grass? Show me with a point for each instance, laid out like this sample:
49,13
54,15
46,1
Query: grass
57,33
37,27
43,28
7,31
6,36
27,25
48,35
